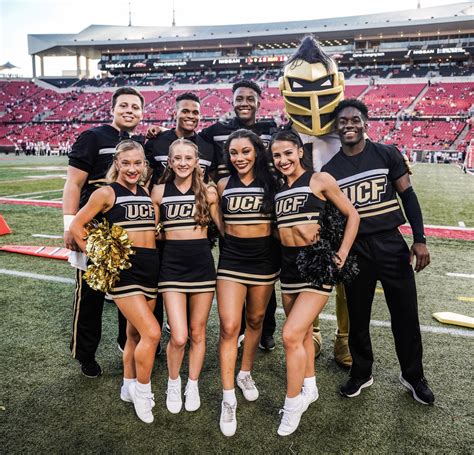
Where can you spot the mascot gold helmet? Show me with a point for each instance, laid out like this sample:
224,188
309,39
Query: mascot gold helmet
311,87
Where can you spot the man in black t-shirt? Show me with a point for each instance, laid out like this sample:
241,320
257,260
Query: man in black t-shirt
90,158
372,175
245,101
187,115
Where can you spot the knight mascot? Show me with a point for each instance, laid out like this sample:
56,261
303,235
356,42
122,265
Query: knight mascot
312,87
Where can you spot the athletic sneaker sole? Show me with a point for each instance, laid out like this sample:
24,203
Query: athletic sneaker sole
405,383
264,348
357,393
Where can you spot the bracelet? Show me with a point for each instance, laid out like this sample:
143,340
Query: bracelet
67,221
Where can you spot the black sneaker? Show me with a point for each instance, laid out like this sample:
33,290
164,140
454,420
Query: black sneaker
420,390
91,369
267,343
353,386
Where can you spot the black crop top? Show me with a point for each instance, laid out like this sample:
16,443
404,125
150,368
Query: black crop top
177,209
242,204
298,205
133,212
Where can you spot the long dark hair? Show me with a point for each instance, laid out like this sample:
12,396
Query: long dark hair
261,170
294,138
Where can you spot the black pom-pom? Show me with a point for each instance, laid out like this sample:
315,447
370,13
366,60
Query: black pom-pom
316,263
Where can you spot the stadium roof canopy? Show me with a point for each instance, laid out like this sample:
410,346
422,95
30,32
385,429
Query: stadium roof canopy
95,39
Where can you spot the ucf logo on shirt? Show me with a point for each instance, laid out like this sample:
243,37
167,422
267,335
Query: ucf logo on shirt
139,212
176,211
244,203
290,204
367,191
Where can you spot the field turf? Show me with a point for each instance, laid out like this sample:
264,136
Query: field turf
47,406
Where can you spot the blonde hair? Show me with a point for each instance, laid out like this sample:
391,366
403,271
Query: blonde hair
126,146
202,215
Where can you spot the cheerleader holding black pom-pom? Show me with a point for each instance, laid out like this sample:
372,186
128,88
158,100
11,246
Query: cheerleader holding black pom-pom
127,204
299,204
187,273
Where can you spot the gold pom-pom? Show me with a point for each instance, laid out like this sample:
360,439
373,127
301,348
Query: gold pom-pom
109,249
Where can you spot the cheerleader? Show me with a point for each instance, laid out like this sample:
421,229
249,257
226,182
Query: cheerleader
187,272
248,263
125,203
298,205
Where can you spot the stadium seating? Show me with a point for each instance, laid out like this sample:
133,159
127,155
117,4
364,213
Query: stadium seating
447,98
31,113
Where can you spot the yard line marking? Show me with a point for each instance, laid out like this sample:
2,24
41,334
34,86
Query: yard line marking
424,328
465,299
460,275
36,276
47,236
32,193
462,224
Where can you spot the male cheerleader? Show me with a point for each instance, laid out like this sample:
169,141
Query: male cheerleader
372,175
187,115
89,160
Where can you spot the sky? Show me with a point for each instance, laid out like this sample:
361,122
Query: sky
18,18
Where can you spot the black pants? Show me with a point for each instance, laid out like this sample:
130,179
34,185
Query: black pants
384,257
87,320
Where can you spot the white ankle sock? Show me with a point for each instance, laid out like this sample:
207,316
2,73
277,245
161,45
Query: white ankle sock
127,381
192,382
174,382
242,374
143,388
310,383
292,403
229,396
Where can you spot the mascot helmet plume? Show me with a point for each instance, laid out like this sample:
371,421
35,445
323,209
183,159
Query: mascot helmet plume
311,87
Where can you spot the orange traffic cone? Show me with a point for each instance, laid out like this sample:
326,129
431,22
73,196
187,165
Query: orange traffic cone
4,228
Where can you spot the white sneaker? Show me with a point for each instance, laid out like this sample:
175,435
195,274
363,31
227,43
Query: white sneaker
228,420
174,402
125,394
143,403
192,401
310,395
247,385
290,419
240,340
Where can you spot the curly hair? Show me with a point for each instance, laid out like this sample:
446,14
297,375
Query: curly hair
261,169
202,215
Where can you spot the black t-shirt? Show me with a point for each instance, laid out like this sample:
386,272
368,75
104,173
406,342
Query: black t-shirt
156,151
93,152
218,133
367,180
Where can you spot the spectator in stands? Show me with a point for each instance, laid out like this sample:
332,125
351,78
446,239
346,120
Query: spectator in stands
90,158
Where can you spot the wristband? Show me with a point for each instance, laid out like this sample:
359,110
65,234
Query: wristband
67,221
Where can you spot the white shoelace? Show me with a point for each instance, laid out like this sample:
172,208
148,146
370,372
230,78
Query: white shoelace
174,393
248,382
228,414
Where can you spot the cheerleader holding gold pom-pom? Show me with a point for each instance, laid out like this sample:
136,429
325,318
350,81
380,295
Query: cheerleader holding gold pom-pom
127,204
187,273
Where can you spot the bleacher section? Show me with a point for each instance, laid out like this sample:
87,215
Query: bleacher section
31,113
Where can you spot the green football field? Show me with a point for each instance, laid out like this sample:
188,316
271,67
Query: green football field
47,406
